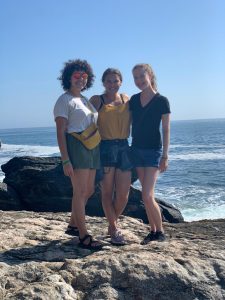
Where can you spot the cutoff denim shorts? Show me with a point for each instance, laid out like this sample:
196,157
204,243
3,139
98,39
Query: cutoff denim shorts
145,157
115,153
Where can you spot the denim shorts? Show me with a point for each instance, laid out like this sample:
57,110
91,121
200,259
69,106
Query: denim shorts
145,157
115,153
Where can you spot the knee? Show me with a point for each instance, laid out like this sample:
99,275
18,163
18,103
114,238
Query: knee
82,193
149,200
106,196
91,191
121,198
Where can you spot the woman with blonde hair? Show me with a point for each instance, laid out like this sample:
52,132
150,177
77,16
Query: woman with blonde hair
149,152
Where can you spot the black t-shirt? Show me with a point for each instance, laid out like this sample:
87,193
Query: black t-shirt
146,121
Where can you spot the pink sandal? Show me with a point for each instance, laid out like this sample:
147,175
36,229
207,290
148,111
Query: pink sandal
117,238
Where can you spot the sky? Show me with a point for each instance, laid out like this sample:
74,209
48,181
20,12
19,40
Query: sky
183,40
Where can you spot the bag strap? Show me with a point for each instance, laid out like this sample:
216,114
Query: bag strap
102,101
76,135
89,104
121,96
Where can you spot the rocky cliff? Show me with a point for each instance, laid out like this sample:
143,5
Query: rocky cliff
39,261
38,184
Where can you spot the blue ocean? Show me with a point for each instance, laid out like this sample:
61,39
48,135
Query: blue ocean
194,182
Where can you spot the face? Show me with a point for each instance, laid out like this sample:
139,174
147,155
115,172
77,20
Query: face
112,83
141,78
79,80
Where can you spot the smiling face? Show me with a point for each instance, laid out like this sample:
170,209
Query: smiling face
78,80
112,83
142,78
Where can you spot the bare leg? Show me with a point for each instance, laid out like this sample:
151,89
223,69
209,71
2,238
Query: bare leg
148,177
80,194
122,184
107,190
90,191
91,183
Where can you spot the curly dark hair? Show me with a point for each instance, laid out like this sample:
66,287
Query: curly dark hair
76,65
112,71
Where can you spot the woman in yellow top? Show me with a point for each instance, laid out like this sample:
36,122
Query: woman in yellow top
114,127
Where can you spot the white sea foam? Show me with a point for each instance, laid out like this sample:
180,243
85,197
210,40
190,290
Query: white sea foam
199,203
210,213
199,156
28,150
200,146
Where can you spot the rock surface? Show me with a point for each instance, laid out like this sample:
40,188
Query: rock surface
42,186
39,261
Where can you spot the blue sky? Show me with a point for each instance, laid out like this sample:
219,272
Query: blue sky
184,41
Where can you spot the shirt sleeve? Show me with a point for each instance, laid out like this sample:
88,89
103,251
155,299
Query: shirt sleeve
61,108
165,109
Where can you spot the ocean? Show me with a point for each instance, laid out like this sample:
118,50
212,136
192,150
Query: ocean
194,182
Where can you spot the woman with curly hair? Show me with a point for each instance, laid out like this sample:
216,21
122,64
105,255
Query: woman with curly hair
150,154
114,126
73,114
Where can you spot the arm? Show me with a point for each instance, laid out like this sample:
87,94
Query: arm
61,124
166,141
96,102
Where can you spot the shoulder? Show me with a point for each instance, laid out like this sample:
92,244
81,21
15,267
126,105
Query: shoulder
134,98
126,98
62,100
162,98
133,102
164,104
61,108
96,101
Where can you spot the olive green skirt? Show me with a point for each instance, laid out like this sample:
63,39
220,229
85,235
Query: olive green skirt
81,157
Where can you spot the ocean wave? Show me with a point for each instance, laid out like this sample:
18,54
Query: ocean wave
210,213
8,149
199,156
195,202
196,146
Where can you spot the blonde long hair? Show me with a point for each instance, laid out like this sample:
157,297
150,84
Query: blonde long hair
150,71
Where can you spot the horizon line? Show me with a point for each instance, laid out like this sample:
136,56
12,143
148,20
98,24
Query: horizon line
187,120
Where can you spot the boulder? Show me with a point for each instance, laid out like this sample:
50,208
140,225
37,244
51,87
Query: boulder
42,186
39,261
9,199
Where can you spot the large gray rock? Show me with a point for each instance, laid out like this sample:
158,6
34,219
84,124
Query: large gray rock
42,186
38,261
9,199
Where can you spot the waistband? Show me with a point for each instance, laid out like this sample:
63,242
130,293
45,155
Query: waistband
115,142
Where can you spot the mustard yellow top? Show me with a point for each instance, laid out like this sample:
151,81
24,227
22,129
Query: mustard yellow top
114,121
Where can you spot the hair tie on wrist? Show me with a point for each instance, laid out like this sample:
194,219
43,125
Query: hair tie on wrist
65,162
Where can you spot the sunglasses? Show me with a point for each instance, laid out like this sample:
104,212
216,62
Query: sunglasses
78,75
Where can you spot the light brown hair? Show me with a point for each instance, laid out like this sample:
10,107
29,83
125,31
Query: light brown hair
150,71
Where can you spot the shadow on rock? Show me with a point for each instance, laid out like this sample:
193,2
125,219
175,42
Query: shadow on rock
54,251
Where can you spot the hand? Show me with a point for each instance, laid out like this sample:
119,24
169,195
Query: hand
68,170
163,165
